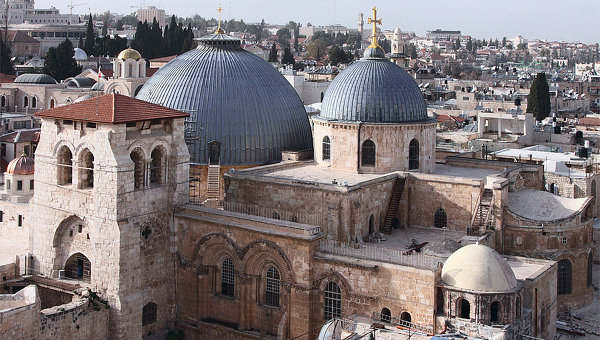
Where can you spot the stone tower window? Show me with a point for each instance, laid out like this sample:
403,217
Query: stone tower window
386,315
137,156
86,169
405,316
52,103
227,277
149,313
3,101
368,153
589,269
371,224
440,219
332,301
326,146
65,166
564,277
129,71
78,267
413,155
272,287
33,102
464,308
158,166
25,101
495,309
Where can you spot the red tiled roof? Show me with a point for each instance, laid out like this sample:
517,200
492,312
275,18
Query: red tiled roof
593,121
150,71
107,72
22,136
20,37
448,118
112,108
7,78
164,59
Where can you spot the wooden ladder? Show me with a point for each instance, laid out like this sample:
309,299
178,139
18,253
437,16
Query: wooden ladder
482,212
212,191
393,206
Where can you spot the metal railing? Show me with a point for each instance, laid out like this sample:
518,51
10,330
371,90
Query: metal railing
389,255
316,219
397,321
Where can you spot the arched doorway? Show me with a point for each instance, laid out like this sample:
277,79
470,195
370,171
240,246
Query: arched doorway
440,219
386,315
464,308
78,267
495,311
371,224
214,153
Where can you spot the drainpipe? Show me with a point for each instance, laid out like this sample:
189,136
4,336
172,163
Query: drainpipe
358,148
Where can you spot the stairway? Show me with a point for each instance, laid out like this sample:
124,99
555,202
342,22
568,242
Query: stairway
481,219
212,191
393,206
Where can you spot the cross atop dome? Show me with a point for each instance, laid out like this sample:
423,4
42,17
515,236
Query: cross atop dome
375,22
219,29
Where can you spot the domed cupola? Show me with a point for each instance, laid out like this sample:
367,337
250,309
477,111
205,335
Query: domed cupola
391,129
129,64
18,178
242,110
22,165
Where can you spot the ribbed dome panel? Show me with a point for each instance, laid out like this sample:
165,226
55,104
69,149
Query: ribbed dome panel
374,90
235,98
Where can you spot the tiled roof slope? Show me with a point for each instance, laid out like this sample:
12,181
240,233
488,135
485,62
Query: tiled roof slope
112,108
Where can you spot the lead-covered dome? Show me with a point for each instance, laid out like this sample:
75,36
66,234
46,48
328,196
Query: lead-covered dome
478,268
238,103
374,90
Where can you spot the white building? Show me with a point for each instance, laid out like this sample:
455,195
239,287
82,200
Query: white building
149,13
23,11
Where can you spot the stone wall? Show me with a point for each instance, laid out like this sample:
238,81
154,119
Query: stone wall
76,320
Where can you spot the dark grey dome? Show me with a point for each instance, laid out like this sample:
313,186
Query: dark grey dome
235,99
374,90
35,78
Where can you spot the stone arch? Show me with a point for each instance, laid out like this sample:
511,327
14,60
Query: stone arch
158,165
52,103
137,89
258,254
138,157
463,308
368,153
386,315
337,278
85,165
34,102
564,282
78,266
496,311
326,148
405,316
72,235
117,87
413,154
64,163
3,101
149,313
25,101
213,241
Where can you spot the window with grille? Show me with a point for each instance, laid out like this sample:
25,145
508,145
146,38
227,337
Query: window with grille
564,277
228,278
332,301
413,155
440,219
272,287
149,313
368,153
326,148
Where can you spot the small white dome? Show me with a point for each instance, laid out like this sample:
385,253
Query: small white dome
80,54
478,268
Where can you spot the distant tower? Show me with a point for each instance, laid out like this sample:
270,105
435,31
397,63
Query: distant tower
397,43
361,24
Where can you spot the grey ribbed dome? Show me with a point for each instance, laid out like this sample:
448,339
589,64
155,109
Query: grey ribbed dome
35,78
374,90
234,98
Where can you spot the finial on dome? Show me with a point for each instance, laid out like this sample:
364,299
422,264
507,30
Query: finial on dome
374,21
219,29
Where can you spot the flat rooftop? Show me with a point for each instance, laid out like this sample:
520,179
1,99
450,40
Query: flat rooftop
441,243
464,172
312,172
525,269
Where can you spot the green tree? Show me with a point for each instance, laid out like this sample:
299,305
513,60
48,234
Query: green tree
188,41
457,44
469,45
504,42
90,37
411,51
59,62
337,56
105,29
284,36
119,26
6,65
538,100
287,58
273,54
522,46
316,49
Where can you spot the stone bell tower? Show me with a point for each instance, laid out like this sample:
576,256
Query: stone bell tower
109,172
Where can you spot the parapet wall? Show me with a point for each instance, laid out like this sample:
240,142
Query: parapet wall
75,320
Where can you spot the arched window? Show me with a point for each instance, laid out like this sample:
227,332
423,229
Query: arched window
405,316
34,102
326,148
518,307
564,277
149,313
86,169
386,315
553,188
25,101
413,155
276,216
440,219
371,224
129,71
137,156
332,301
78,267
227,277
590,263
272,287
140,71
65,166
52,103
3,101
593,192
368,153
158,166
464,308
495,311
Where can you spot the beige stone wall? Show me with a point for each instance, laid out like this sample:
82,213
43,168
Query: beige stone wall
391,145
76,320
541,296
10,232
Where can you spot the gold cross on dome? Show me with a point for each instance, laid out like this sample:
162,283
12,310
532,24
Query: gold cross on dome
219,29
375,22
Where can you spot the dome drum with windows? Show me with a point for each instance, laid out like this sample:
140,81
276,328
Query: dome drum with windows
376,108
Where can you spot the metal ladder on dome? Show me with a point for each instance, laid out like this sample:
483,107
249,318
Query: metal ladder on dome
212,190
393,206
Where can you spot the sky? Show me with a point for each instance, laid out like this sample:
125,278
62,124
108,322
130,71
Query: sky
560,20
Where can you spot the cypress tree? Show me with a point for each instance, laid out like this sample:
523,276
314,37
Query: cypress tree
287,58
538,100
90,37
273,54
59,62
6,65
188,42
